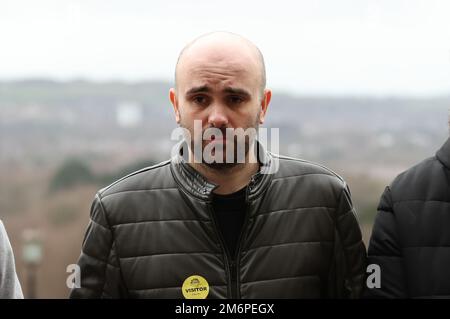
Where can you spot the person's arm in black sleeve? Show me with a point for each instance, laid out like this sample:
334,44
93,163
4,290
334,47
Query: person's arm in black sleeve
385,251
348,273
100,273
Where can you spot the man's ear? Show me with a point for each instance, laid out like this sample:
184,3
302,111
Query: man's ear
174,100
264,105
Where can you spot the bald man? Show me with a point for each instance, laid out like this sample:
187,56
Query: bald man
223,218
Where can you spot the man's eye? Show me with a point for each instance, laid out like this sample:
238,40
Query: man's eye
235,99
199,99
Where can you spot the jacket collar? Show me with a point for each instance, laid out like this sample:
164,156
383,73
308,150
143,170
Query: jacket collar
195,184
443,155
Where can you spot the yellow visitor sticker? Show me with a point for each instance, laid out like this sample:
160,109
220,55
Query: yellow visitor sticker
195,287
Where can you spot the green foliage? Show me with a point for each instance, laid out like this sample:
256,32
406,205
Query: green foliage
73,172
107,179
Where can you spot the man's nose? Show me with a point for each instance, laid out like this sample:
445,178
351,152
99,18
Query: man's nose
218,116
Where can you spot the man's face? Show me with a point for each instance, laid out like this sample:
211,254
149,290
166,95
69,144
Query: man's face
222,89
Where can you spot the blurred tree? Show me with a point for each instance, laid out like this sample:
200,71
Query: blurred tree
107,179
72,172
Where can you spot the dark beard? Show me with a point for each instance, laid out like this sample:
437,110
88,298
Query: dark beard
221,166
224,166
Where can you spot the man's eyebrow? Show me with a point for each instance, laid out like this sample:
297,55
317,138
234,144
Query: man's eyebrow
198,89
238,91
207,89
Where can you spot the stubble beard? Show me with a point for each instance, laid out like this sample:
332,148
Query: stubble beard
224,166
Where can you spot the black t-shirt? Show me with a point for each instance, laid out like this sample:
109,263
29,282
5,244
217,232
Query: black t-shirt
229,212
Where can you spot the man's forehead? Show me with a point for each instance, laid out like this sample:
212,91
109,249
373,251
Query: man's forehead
218,69
225,61
214,78
220,57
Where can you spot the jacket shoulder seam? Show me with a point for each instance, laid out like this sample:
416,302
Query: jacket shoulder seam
140,190
332,173
145,169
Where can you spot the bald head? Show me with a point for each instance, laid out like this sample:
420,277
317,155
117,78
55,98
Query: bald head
221,48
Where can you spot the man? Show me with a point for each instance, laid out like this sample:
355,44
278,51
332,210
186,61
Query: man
9,283
411,236
195,228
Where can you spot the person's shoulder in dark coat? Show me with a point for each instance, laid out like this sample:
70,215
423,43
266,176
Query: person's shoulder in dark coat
411,238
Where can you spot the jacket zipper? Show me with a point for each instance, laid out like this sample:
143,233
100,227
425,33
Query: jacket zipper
232,265
237,291
226,254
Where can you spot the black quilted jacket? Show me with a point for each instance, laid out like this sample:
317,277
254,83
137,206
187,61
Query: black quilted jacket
411,236
154,228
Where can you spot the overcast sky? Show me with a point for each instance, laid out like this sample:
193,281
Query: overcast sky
378,47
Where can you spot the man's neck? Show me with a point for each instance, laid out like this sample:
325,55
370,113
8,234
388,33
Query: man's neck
230,179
